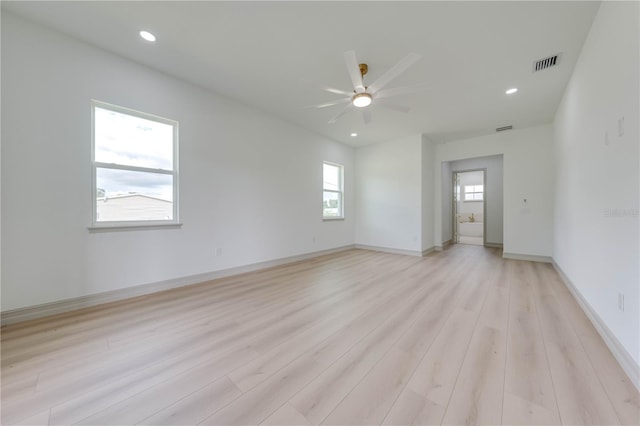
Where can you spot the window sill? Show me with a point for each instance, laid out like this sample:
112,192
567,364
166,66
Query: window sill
329,219
137,227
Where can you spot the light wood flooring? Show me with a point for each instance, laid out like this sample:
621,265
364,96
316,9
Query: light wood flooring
358,337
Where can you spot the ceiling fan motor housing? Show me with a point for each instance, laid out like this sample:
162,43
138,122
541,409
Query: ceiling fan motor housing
363,69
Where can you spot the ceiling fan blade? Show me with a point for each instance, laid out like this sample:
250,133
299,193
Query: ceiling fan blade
394,72
394,107
336,117
337,91
354,70
366,115
397,91
328,104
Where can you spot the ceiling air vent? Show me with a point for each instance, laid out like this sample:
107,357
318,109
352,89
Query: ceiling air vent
502,129
548,62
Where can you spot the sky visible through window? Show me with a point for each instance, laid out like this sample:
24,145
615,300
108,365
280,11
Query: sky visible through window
331,177
133,141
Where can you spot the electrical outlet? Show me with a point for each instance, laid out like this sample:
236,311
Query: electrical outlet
621,301
606,138
313,239
219,251
621,126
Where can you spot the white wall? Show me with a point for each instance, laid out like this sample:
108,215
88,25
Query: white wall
528,174
250,184
446,201
494,194
389,197
428,154
596,240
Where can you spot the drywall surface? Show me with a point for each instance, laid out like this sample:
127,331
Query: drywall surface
250,184
428,153
596,240
446,201
494,193
527,175
388,199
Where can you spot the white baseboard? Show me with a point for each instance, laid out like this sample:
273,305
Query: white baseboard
623,357
493,245
393,250
441,247
429,250
529,257
34,312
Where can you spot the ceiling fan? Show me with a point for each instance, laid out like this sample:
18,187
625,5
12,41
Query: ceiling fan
364,96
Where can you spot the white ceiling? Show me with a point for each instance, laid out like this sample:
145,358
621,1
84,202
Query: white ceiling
278,56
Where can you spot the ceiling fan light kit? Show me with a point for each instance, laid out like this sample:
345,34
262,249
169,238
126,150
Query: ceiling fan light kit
361,100
363,96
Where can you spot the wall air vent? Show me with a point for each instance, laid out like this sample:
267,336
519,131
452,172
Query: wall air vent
502,129
548,62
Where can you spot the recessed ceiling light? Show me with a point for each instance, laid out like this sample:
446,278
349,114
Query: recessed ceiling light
511,91
147,36
354,134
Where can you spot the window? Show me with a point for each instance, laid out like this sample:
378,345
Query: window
332,185
135,171
473,192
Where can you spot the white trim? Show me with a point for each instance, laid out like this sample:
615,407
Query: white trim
139,227
493,245
444,244
529,257
33,312
95,165
429,250
619,352
340,192
391,250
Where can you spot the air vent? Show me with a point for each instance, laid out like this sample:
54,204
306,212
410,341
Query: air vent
545,63
502,129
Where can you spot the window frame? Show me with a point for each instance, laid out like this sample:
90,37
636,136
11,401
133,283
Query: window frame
95,165
340,192
464,194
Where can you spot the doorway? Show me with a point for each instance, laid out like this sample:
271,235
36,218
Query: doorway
469,207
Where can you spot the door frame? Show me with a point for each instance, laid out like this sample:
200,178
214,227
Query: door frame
454,207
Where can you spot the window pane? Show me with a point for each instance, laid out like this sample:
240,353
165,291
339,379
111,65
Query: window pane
133,141
331,204
477,196
123,195
331,177
468,196
468,188
479,188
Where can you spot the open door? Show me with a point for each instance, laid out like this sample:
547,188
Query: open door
469,207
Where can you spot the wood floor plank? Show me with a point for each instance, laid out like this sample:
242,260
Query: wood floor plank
580,396
286,416
322,395
414,409
435,376
190,411
207,380
386,380
477,396
262,401
519,411
528,383
621,391
39,419
358,337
